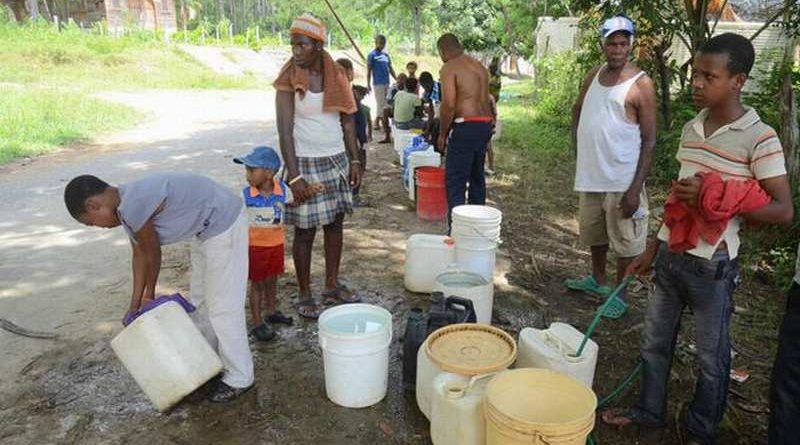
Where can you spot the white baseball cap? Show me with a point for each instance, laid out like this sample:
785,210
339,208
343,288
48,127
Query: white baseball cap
615,24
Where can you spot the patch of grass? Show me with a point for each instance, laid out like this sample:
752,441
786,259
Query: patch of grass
38,54
34,121
538,144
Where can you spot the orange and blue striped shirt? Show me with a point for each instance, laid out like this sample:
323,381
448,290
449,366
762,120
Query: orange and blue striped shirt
265,214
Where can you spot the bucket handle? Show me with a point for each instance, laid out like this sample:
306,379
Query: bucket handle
481,235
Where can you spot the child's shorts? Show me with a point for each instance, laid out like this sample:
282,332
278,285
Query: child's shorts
265,262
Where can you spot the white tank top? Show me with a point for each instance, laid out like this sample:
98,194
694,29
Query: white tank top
608,144
316,134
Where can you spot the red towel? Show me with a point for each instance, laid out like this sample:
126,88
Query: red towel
718,202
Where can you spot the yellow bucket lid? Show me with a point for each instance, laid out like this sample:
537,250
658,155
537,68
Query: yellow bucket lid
471,349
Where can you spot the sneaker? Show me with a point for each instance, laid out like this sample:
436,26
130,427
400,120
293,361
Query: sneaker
226,393
263,332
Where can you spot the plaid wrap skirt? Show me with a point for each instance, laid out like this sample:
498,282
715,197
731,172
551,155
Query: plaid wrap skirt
322,209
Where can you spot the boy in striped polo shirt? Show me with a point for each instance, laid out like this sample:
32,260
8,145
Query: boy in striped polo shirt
730,139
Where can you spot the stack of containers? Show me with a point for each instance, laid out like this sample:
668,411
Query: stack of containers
476,232
538,406
453,366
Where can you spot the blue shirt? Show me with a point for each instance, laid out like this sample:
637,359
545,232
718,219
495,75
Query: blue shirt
265,213
435,94
361,124
379,61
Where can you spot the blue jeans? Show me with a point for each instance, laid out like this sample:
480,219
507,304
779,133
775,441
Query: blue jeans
706,287
466,152
784,419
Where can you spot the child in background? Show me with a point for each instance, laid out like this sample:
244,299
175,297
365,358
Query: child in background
364,134
347,64
265,197
388,111
411,68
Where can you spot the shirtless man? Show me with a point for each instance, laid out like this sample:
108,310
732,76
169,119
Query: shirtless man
467,112
614,130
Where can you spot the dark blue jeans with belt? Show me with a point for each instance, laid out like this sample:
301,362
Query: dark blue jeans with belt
784,419
706,288
466,152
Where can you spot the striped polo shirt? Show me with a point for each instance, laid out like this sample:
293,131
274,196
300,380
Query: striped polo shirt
265,214
744,149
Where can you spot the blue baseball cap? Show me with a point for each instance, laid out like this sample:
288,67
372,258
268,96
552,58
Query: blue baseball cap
616,24
261,157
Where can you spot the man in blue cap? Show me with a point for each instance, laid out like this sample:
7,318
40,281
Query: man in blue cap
614,132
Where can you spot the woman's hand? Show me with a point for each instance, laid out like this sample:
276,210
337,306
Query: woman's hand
301,191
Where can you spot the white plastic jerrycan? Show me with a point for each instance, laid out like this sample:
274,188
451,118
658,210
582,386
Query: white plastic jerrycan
554,348
166,353
457,409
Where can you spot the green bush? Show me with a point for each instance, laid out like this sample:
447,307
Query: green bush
557,86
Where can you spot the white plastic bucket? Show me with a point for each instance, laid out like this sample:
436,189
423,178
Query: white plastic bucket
476,254
471,286
401,139
355,342
427,256
477,213
476,232
554,348
166,354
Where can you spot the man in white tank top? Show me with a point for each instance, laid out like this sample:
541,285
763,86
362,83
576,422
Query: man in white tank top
614,130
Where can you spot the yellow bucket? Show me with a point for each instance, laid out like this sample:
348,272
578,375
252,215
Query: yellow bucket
538,406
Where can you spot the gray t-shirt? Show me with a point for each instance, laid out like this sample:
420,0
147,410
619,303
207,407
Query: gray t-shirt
193,205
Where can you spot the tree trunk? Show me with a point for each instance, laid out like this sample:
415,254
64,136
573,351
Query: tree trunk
661,53
790,133
18,8
417,31
32,6
47,13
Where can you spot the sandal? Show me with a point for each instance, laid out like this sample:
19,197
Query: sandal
587,284
308,308
616,308
279,318
335,295
263,332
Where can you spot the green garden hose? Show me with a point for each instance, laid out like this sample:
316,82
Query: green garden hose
589,331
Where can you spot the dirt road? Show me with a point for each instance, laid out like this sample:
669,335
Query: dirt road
60,277
57,276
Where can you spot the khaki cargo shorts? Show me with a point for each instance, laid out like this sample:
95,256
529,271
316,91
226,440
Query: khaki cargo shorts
601,222
380,97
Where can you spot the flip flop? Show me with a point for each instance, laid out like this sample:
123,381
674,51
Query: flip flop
615,309
336,295
308,308
263,332
279,318
587,284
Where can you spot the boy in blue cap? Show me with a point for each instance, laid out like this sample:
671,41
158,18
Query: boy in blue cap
265,198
